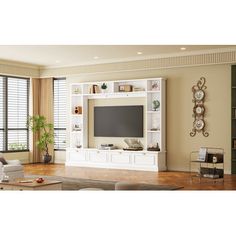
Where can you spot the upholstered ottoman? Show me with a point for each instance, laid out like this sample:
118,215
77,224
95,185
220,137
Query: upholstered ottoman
90,189
143,186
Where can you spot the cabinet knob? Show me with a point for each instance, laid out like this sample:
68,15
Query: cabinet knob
1,188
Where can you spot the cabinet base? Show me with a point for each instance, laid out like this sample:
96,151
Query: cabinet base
113,159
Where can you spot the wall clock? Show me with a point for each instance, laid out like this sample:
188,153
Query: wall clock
199,108
199,95
199,124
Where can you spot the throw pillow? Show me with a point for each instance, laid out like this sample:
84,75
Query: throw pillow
4,162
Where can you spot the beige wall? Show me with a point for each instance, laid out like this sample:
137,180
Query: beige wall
18,70
60,156
179,108
179,111
22,156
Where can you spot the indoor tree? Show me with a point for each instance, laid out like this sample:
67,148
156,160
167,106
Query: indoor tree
38,124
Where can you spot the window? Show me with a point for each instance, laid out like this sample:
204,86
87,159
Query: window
1,112
14,112
59,86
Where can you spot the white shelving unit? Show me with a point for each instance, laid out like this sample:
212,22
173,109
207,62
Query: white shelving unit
78,152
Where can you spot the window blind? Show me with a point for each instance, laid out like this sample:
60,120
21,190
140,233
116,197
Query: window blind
17,113
14,112
59,113
1,112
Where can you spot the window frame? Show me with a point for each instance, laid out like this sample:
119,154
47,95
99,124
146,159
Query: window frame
54,79
5,115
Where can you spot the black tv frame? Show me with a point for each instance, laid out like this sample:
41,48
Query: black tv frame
130,119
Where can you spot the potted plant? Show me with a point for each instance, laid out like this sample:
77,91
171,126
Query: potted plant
39,125
104,87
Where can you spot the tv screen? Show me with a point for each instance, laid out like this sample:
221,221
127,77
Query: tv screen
118,121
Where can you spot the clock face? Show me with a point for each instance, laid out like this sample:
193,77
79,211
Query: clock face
199,124
199,95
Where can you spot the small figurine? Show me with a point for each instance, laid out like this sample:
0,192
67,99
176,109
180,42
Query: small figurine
155,86
76,91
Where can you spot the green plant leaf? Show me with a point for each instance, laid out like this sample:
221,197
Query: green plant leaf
38,124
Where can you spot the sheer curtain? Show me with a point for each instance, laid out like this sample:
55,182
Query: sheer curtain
41,104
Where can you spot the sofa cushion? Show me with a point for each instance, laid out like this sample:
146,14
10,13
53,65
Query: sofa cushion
8,168
4,162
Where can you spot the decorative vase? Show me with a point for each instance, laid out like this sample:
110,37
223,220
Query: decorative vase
47,158
156,105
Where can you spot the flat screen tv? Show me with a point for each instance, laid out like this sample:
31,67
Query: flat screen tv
118,121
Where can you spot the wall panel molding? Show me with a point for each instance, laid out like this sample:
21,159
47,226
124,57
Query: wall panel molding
210,58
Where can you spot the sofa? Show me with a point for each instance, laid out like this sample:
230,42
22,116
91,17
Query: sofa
13,169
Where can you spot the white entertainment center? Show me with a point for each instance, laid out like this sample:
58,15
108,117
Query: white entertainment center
80,154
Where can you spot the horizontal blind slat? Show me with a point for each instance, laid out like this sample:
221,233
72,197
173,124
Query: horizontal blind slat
16,93
59,113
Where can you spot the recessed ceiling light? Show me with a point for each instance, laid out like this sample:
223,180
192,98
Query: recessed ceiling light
182,48
139,53
95,57
58,61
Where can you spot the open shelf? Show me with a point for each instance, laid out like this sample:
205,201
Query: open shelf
77,115
153,90
153,112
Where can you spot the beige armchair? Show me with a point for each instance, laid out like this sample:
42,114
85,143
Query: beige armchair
13,169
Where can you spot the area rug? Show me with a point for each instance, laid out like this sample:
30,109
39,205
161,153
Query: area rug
78,183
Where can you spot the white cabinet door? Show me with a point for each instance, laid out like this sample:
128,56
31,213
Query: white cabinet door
121,158
77,156
97,156
145,159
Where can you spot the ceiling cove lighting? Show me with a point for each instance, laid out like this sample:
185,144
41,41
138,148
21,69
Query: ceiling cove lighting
139,53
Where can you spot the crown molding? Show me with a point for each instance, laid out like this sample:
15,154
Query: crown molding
19,64
137,63
186,59
13,68
143,58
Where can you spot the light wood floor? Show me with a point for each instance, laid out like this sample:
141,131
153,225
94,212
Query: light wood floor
165,178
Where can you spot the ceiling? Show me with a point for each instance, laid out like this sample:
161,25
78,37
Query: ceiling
71,55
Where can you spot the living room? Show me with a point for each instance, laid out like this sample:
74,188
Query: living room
115,116
175,80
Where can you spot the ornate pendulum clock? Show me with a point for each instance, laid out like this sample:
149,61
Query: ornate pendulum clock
199,108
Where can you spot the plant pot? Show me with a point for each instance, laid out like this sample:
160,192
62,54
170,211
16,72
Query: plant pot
47,158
